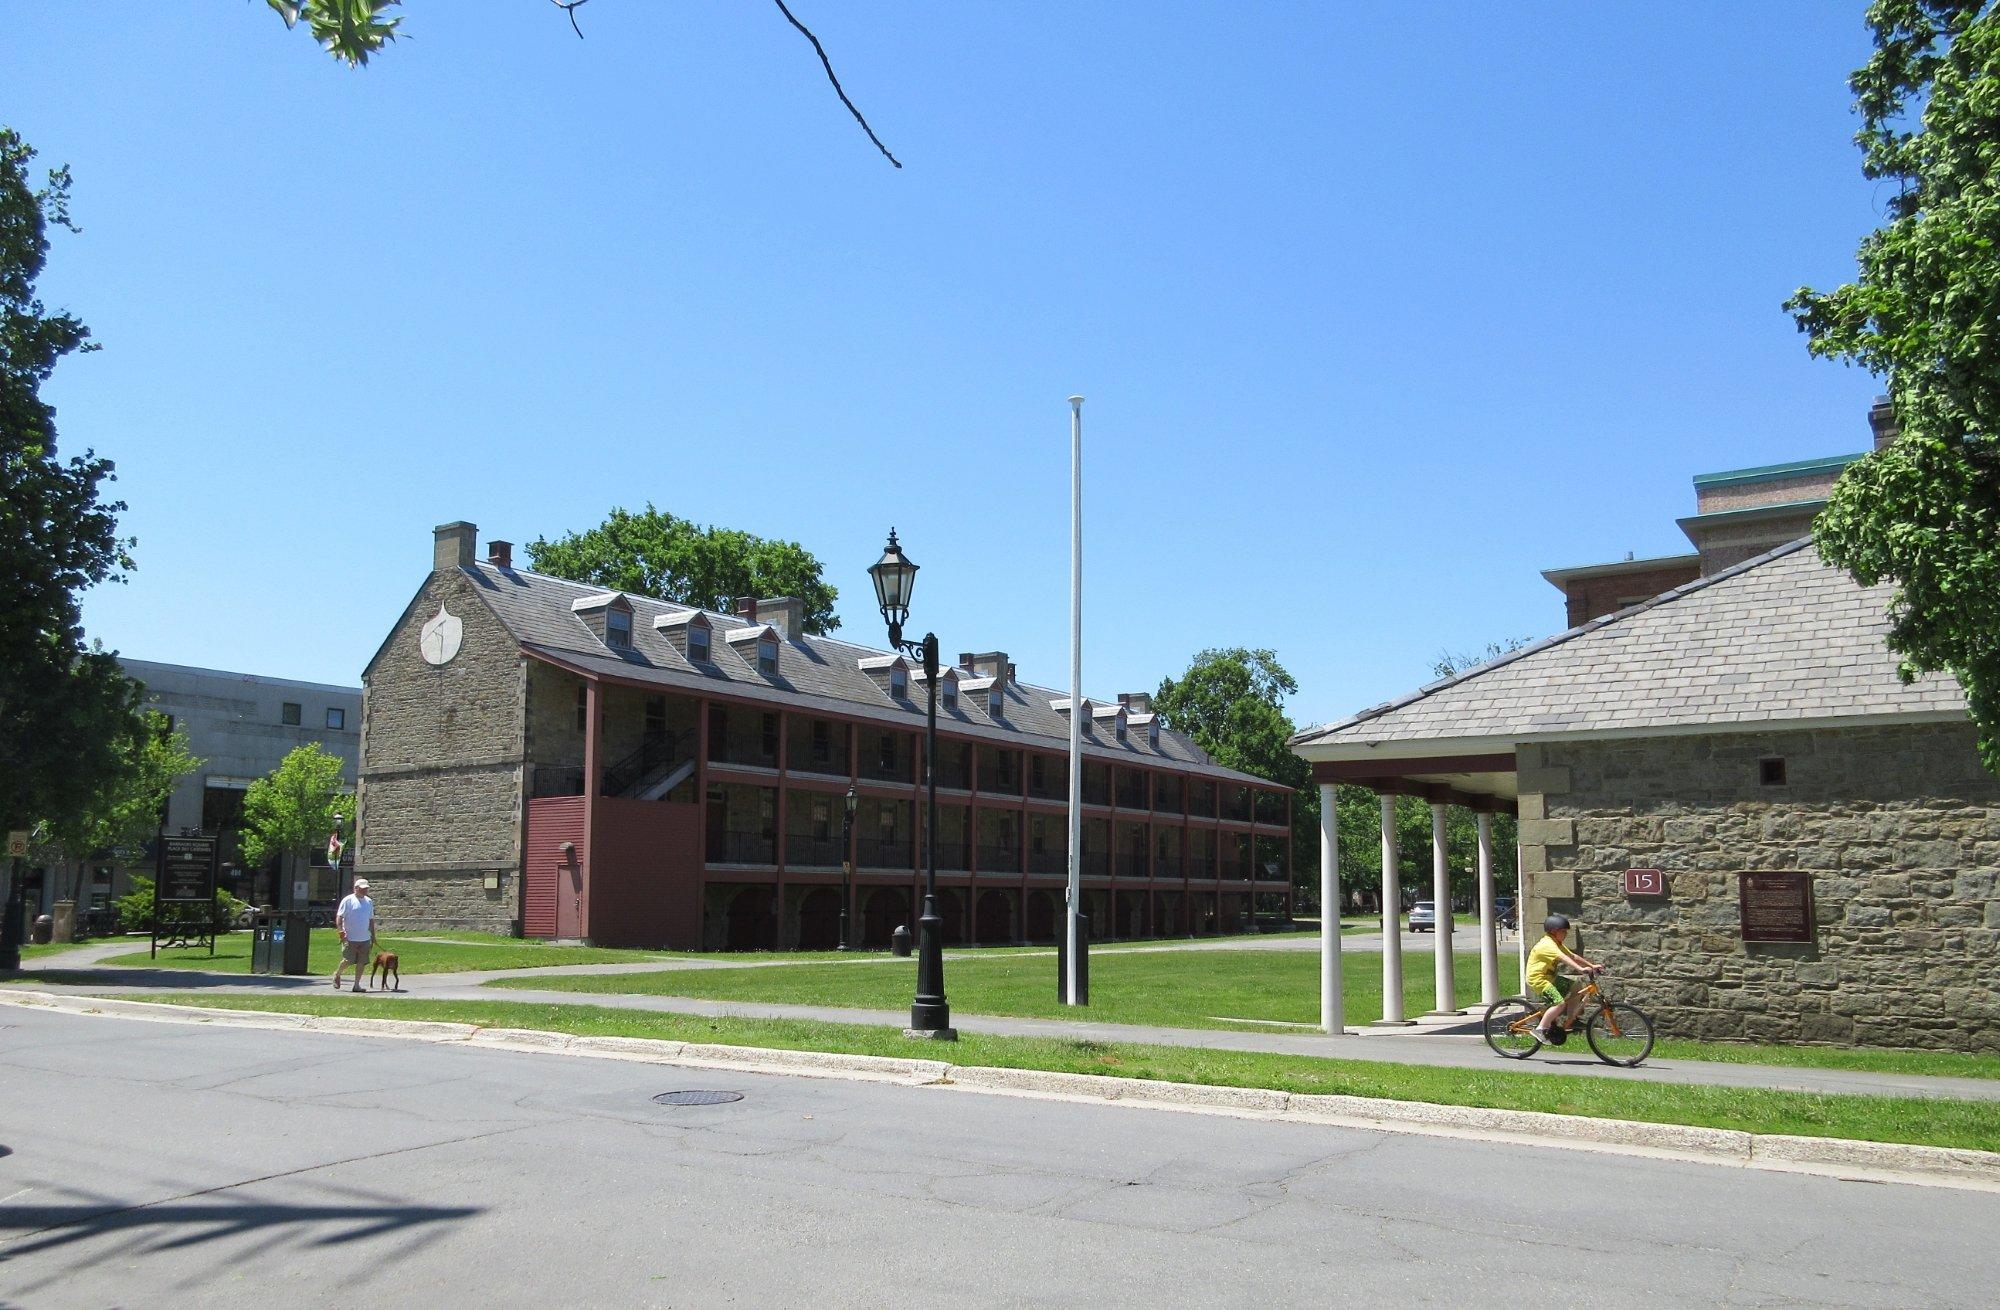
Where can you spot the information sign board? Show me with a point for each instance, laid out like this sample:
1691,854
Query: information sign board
187,871
1776,906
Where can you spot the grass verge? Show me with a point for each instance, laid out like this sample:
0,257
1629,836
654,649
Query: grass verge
463,953
1924,1121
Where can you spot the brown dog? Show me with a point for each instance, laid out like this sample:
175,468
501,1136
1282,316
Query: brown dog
386,965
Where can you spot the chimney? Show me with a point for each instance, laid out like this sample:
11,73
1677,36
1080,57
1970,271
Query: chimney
500,554
1882,421
455,545
965,660
1136,702
746,608
785,613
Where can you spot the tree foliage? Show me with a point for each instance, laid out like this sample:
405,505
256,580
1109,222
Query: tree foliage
68,713
1924,511
126,812
349,30
290,811
654,553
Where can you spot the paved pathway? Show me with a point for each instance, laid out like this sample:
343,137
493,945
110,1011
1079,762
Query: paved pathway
1447,1043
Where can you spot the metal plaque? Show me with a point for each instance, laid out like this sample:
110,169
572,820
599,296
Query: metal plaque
1645,882
1776,907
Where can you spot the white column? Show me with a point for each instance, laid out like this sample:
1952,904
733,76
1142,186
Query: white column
1392,919
1331,1003
1441,921
1520,920
1489,946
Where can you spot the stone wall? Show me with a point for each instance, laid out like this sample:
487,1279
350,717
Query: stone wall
1898,827
441,754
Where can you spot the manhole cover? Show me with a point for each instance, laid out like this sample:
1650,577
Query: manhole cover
697,1098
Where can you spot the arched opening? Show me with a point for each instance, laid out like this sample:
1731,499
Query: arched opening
884,909
951,909
1041,917
995,926
750,920
819,919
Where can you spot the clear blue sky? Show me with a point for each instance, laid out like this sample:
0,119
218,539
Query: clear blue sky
1378,314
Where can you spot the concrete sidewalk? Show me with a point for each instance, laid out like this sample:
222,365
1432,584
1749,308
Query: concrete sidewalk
1451,1044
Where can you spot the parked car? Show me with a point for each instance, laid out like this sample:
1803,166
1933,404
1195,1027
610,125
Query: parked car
1504,910
1423,917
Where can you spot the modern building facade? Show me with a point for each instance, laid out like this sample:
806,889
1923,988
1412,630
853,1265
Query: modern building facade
240,726
568,762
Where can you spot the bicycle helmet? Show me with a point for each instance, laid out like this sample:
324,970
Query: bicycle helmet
1555,922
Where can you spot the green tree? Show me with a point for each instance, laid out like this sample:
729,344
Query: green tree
1924,511
1232,702
654,553
67,711
289,813
127,811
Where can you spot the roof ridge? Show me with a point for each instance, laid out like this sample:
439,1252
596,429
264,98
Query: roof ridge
1667,597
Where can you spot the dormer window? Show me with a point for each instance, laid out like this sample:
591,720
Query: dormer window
948,694
767,656
618,628
1120,728
996,703
1153,734
697,640
899,683
608,615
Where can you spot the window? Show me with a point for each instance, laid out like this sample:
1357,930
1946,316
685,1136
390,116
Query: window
948,694
771,736
656,718
767,656
996,701
822,819
899,683
336,718
1038,773
1771,772
288,714
1121,727
618,629
697,644
887,742
582,709
822,742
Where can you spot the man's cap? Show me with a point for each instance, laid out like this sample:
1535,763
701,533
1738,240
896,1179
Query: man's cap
361,884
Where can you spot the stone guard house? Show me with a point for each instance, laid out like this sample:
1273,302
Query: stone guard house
555,759
1747,722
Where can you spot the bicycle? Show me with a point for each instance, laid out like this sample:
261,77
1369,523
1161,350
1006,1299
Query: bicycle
1618,1034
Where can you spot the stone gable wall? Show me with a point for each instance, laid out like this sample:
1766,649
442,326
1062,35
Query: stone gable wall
1899,828
441,756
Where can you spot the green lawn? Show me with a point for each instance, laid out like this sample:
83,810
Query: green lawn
1920,1120
1180,989
465,951
1195,989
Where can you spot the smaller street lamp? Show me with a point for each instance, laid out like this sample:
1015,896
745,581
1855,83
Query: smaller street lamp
895,577
846,866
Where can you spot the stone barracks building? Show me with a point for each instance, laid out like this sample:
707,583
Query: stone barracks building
1762,830
556,759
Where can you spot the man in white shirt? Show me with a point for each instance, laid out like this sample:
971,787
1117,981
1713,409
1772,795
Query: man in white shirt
356,920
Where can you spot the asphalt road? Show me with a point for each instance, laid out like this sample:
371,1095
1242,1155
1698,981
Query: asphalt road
159,1164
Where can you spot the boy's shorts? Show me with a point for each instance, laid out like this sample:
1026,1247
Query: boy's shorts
1557,989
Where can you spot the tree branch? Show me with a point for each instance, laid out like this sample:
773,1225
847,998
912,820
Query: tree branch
827,64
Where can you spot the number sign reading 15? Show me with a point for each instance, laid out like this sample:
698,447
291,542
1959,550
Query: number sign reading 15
1645,882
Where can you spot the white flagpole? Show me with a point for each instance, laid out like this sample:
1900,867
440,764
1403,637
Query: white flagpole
1074,896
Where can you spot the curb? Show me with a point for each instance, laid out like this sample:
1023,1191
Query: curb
1837,1157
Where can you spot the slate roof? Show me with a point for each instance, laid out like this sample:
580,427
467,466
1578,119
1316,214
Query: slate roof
1779,637
821,673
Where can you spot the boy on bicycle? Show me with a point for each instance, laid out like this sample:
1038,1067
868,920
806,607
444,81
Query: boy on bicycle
1546,984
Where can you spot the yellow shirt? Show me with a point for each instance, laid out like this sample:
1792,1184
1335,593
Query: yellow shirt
1542,962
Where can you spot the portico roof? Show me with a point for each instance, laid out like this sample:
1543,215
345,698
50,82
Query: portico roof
1779,641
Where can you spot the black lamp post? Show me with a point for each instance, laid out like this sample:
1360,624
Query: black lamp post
895,577
846,867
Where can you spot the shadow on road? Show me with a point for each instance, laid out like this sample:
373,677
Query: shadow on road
178,1225
178,980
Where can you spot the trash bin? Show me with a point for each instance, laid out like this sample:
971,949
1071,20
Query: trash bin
267,939
297,943
899,941
1082,960
44,930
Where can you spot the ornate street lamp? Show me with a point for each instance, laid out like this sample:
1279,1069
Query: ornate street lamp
895,577
846,866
